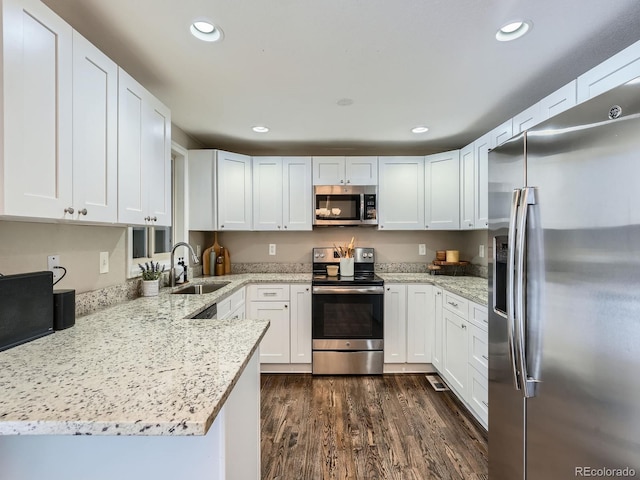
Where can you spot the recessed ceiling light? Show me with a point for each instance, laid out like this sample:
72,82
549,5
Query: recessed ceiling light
260,129
420,129
344,102
513,30
206,31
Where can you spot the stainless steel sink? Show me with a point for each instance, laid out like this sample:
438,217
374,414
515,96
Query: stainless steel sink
200,288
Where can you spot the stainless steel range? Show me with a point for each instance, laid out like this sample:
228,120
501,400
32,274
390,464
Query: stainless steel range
347,316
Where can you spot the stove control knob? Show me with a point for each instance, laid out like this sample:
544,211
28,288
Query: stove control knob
322,255
317,255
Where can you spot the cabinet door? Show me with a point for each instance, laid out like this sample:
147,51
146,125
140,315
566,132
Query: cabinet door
234,191
300,323
202,190
442,191
467,187
454,351
132,198
420,323
328,170
527,119
478,395
267,193
559,101
361,170
37,70
481,150
156,147
479,349
274,347
395,324
297,193
501,134
401,193
615,71
438,329
95,134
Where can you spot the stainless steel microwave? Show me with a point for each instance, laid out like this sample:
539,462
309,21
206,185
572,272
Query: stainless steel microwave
341,206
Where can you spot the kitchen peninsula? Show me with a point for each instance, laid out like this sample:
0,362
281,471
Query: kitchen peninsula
181,395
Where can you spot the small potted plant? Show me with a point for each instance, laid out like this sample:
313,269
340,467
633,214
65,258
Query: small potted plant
150,275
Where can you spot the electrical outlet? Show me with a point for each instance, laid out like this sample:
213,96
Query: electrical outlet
481,251
272,249
198,251
104,262
422,249
54,261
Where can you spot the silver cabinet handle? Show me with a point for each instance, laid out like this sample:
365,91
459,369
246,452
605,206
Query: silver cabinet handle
485,357
69,210
151,219
464,327
486,404
453,304
438,293
83,211
269,294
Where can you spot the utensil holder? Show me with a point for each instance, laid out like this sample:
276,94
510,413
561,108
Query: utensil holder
150,288
346,267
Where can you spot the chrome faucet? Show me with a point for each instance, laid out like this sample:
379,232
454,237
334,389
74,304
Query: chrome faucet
172,273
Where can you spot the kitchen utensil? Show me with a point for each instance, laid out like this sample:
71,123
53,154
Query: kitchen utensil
332,270
227,261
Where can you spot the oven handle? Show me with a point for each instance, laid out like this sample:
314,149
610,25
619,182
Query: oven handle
340,290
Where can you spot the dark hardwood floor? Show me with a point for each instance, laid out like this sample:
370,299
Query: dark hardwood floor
366,427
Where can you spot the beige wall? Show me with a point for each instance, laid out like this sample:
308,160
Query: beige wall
391,247
181,138
24,247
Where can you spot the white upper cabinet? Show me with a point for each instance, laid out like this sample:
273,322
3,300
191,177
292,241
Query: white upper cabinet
37,91
467,187
345,170
615,71
562,99
282,193
202,190
95,133
267,193
144,155
297,193
481,183
401,193
234,191
442,191
501,134
527,119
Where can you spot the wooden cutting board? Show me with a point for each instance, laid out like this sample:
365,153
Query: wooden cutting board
227,261
206,265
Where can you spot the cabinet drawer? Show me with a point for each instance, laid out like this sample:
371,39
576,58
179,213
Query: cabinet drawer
478,349
456,304
478,316
224,308
268,292
478,395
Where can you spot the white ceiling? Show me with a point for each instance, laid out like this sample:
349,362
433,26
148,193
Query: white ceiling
286,63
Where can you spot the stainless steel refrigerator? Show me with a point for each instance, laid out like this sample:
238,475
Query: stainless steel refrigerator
564,295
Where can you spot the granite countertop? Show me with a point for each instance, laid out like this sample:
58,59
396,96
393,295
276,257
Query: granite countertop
143,367
471,288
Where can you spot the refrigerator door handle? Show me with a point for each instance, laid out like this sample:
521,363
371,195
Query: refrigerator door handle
528,199
511,321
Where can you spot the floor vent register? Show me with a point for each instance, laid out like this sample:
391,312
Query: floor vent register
437,383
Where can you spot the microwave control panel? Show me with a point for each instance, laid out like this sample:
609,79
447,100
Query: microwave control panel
369,207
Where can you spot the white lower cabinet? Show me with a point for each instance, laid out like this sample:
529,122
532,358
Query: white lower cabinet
409,324
300,323
232,307
460,350
288,308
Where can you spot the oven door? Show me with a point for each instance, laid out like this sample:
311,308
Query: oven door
347,312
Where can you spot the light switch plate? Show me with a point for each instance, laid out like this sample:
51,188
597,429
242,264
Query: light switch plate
422,249
481,251
272,249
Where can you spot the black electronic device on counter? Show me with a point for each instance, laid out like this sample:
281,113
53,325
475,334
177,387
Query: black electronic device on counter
64,309
26,307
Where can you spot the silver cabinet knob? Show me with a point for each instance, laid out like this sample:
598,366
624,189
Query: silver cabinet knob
426,226
69,210
221,226
464,327
471,224
286,306
83,211
348,181
278,226
341,181
307,289
285,226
